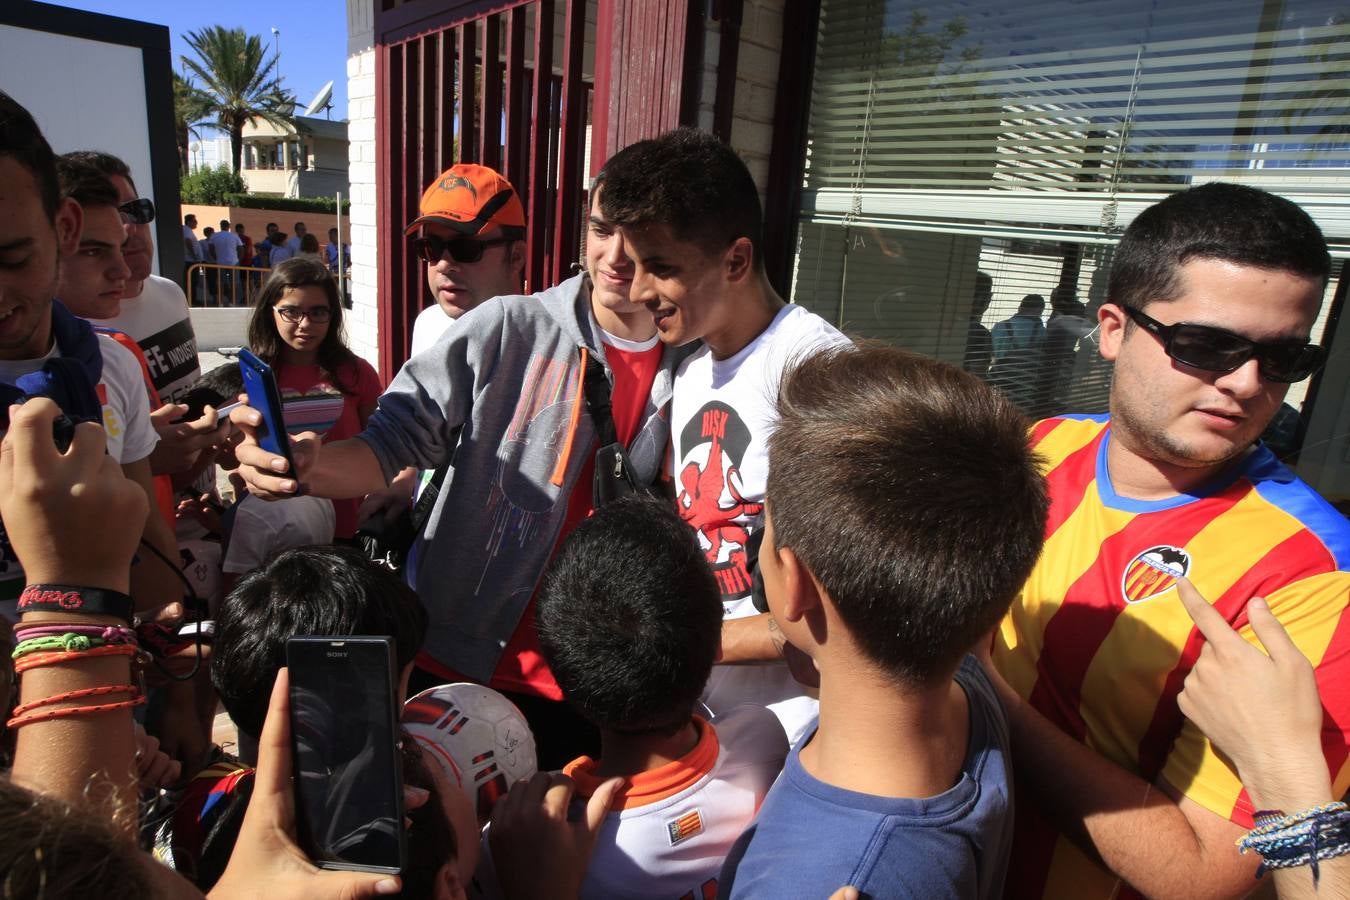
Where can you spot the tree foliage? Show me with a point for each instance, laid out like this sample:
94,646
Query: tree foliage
239,82
210,187
190,106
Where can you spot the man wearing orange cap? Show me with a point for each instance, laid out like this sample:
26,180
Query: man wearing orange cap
504,403
474,217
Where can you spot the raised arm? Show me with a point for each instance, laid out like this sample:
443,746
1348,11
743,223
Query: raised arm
61,512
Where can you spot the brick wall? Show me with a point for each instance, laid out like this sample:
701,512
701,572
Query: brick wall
363,321
756,83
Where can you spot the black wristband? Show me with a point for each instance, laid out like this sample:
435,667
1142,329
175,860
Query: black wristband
70,598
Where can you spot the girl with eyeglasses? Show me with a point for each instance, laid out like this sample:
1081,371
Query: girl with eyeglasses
297,329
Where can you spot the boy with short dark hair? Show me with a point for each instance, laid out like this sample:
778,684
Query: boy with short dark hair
904,512
629,621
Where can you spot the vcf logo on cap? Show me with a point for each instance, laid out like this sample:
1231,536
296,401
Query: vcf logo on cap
471,199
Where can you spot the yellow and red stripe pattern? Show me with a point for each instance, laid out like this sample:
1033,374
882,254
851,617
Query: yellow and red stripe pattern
1099,642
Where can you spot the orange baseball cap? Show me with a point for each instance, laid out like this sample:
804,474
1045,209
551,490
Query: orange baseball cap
470,199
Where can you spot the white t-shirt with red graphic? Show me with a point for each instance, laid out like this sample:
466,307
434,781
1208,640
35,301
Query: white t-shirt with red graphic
721,416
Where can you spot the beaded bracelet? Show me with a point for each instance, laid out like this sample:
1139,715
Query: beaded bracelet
38,660
1300,839
56,643
101,691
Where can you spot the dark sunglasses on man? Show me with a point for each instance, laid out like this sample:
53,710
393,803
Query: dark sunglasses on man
140,211
461,249
1215,350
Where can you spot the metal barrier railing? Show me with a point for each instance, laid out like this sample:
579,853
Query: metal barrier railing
217,285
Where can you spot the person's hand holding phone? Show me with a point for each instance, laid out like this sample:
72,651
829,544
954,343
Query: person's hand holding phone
181,443
57,507
269,475
266,857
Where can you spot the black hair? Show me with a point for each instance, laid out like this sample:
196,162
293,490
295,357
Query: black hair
106,163
265,340
432,841
688,181
630,617
308,590
1232,222
908,489
218,387
21,140
83,183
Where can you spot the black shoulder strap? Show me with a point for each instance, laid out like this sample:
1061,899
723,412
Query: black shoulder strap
427,499
596,388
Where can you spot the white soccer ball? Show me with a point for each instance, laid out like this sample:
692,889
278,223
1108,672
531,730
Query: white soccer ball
476,735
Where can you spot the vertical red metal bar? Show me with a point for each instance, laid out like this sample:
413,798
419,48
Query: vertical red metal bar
490,116
430,109
445,104
607,41
551,263
468,131
571,140
517,124
537,212
407,300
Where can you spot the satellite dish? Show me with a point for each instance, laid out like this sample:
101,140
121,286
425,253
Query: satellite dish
322,100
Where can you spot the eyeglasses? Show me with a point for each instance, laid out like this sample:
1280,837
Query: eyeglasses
462,250
293,314
1216,350
140,211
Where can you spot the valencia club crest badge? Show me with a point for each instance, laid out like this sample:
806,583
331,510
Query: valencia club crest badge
1153,572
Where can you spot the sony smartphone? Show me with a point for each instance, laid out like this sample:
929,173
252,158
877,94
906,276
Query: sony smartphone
348,771
260,383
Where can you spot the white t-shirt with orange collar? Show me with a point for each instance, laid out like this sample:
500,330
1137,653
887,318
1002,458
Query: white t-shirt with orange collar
672,827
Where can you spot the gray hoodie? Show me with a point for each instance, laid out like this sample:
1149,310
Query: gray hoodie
510,371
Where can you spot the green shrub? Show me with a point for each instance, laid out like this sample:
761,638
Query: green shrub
210,187
292,204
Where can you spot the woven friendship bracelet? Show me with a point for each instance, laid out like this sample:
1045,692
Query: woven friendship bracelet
69,643
1300,839
70,598
80,694
68,711
37,660
111,634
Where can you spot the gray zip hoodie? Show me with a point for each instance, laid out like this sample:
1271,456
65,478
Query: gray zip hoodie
511,372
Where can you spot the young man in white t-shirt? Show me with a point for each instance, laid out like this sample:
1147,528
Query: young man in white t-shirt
630,620
49,244
689,212
154,313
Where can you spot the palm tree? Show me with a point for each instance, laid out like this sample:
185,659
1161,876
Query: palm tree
239,84
190,106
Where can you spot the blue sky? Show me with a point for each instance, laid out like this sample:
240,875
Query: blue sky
313,35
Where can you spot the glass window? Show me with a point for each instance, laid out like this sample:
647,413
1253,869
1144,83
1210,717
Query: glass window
970,167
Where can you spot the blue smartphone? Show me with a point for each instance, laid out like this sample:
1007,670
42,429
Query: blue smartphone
260,383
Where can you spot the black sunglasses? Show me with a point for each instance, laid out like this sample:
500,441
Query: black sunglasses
463,250
1216,350
140,211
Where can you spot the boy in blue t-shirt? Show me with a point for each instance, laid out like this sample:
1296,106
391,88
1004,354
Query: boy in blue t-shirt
904,511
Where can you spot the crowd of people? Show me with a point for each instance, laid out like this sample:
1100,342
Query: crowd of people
786,614
212,260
